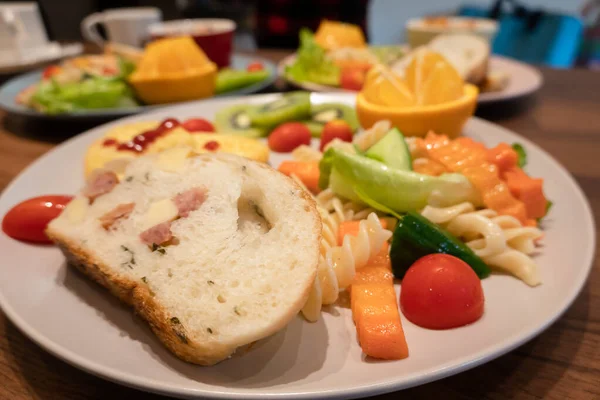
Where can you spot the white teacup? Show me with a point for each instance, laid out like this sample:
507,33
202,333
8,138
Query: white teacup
123,25
21,29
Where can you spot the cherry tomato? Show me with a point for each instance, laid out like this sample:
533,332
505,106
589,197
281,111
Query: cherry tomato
352,78
198,125
440,291
286,137
335,129
50,71
255,66
28,219
109,71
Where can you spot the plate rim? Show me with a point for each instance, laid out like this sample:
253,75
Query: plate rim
483,98
450,368
11,107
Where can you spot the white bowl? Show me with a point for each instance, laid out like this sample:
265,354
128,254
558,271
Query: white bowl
421,31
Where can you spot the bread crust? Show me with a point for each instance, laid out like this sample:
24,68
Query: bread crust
170,331
141,299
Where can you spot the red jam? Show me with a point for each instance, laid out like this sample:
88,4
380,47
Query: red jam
109,142
141,142
211,145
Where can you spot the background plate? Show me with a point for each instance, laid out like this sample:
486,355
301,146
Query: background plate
11,88
523,80
81,323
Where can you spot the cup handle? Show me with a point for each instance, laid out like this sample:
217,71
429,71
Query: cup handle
89,28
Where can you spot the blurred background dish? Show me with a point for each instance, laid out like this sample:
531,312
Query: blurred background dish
420,31
24,43
214,36
127,26
10,91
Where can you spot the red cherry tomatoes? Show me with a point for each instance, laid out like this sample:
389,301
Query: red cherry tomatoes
286,137
335,129
353,78
255,66
50,71
198,125
440,291
28,219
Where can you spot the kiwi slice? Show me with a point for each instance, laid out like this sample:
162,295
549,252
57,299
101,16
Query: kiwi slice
323,113
236,120
293,106
315,128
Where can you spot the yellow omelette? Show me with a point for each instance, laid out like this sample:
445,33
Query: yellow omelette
100,155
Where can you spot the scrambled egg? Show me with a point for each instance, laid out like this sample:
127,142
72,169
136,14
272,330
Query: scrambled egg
98,155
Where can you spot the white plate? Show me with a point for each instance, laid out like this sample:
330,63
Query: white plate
523,80
37,57
82,324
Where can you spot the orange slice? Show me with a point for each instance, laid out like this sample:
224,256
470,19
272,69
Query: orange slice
385,88
432,78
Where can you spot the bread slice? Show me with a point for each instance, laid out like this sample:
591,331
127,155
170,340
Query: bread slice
238,267
469,54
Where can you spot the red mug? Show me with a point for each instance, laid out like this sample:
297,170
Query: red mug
213,36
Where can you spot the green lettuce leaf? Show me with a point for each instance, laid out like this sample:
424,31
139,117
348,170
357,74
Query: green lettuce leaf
311,63
521,153
364,180
90,93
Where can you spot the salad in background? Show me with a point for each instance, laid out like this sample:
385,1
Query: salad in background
337,55
118,79
87,82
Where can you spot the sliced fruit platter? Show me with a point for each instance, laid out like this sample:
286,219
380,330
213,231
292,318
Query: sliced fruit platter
127,81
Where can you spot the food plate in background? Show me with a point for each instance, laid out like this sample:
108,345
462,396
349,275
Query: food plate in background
305,360
523,80
10,90
39,57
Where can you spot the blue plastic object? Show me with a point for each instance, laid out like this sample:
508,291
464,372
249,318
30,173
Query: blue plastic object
553,39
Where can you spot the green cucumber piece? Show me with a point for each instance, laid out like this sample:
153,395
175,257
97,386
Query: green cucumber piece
232,79
392,150
415,237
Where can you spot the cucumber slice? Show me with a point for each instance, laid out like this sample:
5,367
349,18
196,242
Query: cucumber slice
231,79
415,237
392,150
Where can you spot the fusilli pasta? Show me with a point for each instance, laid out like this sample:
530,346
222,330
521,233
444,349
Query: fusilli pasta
372,135
500,240
337,264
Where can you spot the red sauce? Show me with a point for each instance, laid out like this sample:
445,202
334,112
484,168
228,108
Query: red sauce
140,142
109,142
211,145
28,220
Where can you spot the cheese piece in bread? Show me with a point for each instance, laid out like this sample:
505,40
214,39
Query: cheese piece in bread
215,253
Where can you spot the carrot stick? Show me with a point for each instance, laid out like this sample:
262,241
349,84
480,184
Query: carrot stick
306,171
375,310
528,190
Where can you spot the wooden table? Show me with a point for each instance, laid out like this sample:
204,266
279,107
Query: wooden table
561,363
